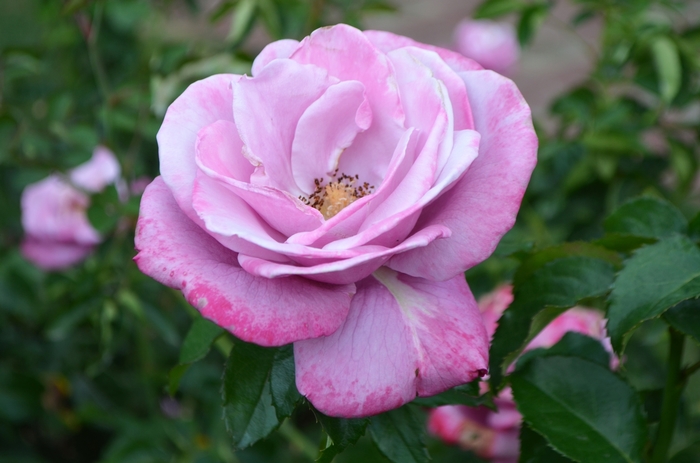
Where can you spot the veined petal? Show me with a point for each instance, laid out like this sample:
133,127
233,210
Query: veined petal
483,204
203,103
403,337
267,109
176,252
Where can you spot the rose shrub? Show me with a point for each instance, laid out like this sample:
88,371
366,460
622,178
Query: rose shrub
54,212
494,45
334,200
494,435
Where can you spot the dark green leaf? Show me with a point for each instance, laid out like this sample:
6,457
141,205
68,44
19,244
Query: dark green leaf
646,217
341,433
399,435
103,212
542,292
585,411
573,344
530,21
685,317
656,278
688,455
198,340
282,383
694,228
535,449
467,394
495,8
249,414
174,377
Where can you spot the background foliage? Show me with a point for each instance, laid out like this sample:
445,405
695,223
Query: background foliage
101,363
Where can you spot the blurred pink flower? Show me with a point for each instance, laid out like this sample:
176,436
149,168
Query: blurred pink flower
491,44
54,212
334,200
495,435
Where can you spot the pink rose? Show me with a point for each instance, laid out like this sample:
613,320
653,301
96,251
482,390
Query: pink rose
54,212
493,45
334,200
495,434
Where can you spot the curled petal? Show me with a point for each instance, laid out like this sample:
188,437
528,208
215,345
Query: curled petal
176,252
279,49
403,337
101,170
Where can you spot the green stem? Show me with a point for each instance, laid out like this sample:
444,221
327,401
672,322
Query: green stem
96,62
672,396
298,440
688,372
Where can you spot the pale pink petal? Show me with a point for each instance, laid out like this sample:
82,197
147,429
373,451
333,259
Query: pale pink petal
51,255
53,210
370,153
403,337
279,49
203,103
493,45
589,322
386,42
221,149
281,211
101,170
366,260
327,127
176,252
492,306
266,111
483,204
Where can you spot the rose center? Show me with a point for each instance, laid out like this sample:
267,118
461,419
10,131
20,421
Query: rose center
335,195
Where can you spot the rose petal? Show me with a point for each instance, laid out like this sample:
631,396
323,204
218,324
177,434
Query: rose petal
53,210
370,153
267,109
403,337
386,42
327,127
346,270
484,203
53,255
176,252
215,151
203,103
278,49
101,170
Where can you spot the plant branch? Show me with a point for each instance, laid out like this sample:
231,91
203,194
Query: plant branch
672,396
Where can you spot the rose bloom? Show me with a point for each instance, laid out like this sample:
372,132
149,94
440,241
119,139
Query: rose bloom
494,435
57,231
491,44
334,200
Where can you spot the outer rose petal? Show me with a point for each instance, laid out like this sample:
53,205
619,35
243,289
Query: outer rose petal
203,103
493,45
53,255
279,49
403,337
482,206
101,170
176,252
386,42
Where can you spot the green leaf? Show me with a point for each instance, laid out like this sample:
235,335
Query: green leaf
256,391
685,317
283,387
542,292
530,21
688,455
495,8
199,339
103,212
668,67
647,217
656,278
399,435
243,18
585,411
535,449
694,228
341,433
573,344
467,394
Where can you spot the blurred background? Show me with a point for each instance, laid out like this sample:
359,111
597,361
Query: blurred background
90,352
